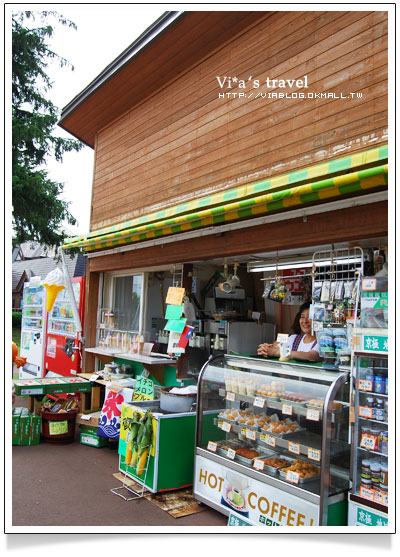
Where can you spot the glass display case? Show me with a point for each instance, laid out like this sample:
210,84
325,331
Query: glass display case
276,451
368,496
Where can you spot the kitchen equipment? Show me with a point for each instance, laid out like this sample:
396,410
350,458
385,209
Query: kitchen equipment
172,402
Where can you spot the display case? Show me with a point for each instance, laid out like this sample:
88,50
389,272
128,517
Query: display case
277,452
368,496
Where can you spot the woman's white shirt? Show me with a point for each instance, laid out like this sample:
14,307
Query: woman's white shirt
303,346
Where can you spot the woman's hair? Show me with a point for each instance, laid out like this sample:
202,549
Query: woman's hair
296,323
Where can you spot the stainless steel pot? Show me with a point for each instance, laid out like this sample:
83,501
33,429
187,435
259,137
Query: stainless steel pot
170,402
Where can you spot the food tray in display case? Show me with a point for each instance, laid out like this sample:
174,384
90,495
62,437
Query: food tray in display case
269,468
224,446
297,470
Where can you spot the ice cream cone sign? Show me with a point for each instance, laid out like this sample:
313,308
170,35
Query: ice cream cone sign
54,283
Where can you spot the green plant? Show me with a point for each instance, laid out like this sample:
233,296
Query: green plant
16,318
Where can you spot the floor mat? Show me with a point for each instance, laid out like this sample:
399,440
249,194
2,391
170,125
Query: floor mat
176,503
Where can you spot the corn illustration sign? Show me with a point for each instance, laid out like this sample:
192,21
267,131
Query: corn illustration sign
137,437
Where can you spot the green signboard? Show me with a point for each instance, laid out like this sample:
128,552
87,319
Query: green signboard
237,521
368,518
375,343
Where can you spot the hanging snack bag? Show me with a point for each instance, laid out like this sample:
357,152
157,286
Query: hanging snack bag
316,295
326,291
348,288
339,290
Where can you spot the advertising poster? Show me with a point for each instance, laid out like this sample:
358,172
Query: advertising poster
256,502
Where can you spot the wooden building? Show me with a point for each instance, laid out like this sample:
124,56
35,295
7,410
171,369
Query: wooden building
221,134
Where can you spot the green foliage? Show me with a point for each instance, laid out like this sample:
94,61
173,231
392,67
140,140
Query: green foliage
38,211
16,318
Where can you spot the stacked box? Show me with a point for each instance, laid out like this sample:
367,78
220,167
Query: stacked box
26,427
89,437
16,415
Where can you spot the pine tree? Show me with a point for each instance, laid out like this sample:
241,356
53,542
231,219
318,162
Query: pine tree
38,211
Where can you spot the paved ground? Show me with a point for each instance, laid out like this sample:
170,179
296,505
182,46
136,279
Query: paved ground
69,485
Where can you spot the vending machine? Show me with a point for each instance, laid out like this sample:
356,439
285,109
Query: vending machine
62,354
33,329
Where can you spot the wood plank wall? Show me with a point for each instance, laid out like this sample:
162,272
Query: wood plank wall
185,141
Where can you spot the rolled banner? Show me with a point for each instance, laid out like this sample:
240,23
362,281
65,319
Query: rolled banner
54,283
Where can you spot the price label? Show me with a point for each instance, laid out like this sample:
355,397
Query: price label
212,446
378,497
231,397
243,431
312,415
314,454
368,284
259,401
385,499
226,427
294,447
365,412
368,442
365,385
292,476
231,454
144,389
258,464
250,434
287,409
268,440
367,493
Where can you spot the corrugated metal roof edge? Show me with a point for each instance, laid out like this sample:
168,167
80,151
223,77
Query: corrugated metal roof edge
126,56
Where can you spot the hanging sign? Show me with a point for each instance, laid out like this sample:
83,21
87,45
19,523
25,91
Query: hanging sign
176,325
173,312
175,296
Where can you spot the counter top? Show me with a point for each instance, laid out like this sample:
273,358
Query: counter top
153,358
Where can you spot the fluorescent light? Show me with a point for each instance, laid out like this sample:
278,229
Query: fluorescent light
300,264
282,267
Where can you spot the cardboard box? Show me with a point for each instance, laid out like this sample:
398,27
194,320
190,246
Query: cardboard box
89,419
93,440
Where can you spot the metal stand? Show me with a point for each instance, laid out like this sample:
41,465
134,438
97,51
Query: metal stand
124,485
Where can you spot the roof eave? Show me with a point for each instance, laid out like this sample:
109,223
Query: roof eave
155,29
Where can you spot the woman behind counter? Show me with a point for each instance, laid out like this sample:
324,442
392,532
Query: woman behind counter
303,345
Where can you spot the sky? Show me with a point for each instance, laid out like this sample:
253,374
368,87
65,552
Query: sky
103,32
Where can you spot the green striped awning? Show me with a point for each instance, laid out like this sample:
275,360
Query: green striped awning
314,184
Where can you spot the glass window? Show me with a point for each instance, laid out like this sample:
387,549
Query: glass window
127,301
